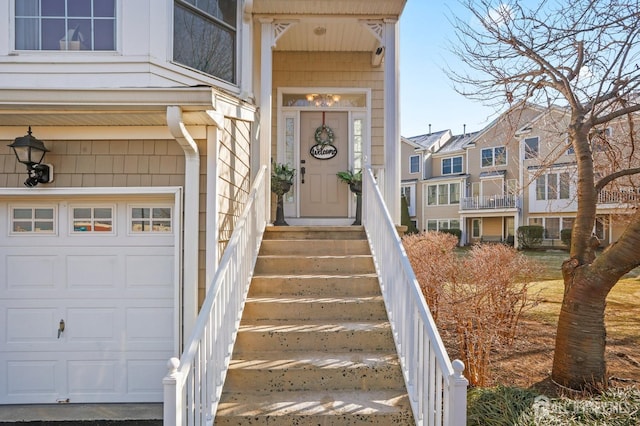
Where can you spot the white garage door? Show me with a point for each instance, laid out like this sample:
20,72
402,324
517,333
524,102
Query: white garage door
106,270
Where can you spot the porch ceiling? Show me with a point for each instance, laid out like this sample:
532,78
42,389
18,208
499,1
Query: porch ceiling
103,107
328,25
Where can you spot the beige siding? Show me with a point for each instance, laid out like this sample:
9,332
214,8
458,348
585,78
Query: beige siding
333,69
103,163
129,163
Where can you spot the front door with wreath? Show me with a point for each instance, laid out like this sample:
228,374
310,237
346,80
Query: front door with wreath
322,194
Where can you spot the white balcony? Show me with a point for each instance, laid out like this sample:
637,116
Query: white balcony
489,202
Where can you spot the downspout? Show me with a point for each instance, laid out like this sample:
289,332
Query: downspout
190,217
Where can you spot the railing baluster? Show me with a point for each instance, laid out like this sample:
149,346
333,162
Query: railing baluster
438,393
193,385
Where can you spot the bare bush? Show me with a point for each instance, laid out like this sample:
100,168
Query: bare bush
422,249
479,297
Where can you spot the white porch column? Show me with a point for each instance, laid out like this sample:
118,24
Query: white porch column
266,88
214,135
392,119
246,61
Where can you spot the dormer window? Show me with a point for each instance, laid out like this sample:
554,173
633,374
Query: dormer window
65,25
205,36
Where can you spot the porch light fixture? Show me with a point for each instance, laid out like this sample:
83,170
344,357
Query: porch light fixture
322,100
30,152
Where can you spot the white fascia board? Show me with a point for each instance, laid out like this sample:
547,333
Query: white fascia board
93,191
186,97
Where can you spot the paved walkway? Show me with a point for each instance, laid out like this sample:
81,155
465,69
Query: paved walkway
48,414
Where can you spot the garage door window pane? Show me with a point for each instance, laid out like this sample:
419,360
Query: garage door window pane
32,220
92,219
151,219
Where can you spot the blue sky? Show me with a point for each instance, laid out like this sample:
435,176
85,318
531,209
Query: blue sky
426,94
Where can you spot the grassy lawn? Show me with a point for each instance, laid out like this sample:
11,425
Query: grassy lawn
522,373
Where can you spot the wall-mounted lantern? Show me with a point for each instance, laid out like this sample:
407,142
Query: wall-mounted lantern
30,152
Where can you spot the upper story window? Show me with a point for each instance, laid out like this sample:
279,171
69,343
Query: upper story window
443,194
553,186
414,164
65,24
531,147
205,36
600,139
496,156
451,165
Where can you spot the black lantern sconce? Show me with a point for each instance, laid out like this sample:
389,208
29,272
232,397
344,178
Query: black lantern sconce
30,152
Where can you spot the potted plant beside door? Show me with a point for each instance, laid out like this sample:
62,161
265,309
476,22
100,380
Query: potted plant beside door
281,181
354,179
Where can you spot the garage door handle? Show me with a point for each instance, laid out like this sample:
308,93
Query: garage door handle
60,328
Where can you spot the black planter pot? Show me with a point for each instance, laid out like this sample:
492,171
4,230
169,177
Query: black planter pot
356,188
280,188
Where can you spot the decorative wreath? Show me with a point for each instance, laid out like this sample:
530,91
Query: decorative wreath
324,135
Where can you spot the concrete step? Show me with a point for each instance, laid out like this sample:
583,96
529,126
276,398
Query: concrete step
314,345
300,308
354,264
317,336
314,247
314,233
362,285
383,407
277,372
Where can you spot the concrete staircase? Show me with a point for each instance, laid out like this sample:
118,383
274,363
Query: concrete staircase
314,346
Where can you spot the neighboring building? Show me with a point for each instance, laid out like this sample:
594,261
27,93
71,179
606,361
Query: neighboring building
414,168
157,116
519,170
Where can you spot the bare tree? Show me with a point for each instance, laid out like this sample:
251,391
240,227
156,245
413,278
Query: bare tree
581,58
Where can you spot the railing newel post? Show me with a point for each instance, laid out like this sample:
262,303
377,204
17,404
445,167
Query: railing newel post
458,395
171,403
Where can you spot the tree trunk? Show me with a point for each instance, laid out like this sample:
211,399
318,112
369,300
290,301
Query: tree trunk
581,338
579,357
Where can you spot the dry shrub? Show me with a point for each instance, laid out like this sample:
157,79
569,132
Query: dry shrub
433,260
478,296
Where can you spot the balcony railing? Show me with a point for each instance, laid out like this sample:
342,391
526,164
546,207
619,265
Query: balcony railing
618,197
489,202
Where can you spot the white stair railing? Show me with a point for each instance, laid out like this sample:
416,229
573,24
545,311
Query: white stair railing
193,385
436,387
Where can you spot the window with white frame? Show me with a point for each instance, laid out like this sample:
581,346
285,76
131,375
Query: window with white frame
495,156
150,219
414,164
451,165
600,139
408,191
531,147
92,219
441,224
552,225
476,228
33,220
65,25
205,36
553,186
443,194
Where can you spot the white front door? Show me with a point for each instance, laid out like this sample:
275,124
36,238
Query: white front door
321,193
107,271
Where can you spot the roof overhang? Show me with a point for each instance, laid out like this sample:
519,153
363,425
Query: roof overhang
110,107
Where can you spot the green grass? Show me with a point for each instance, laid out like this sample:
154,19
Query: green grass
509,406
